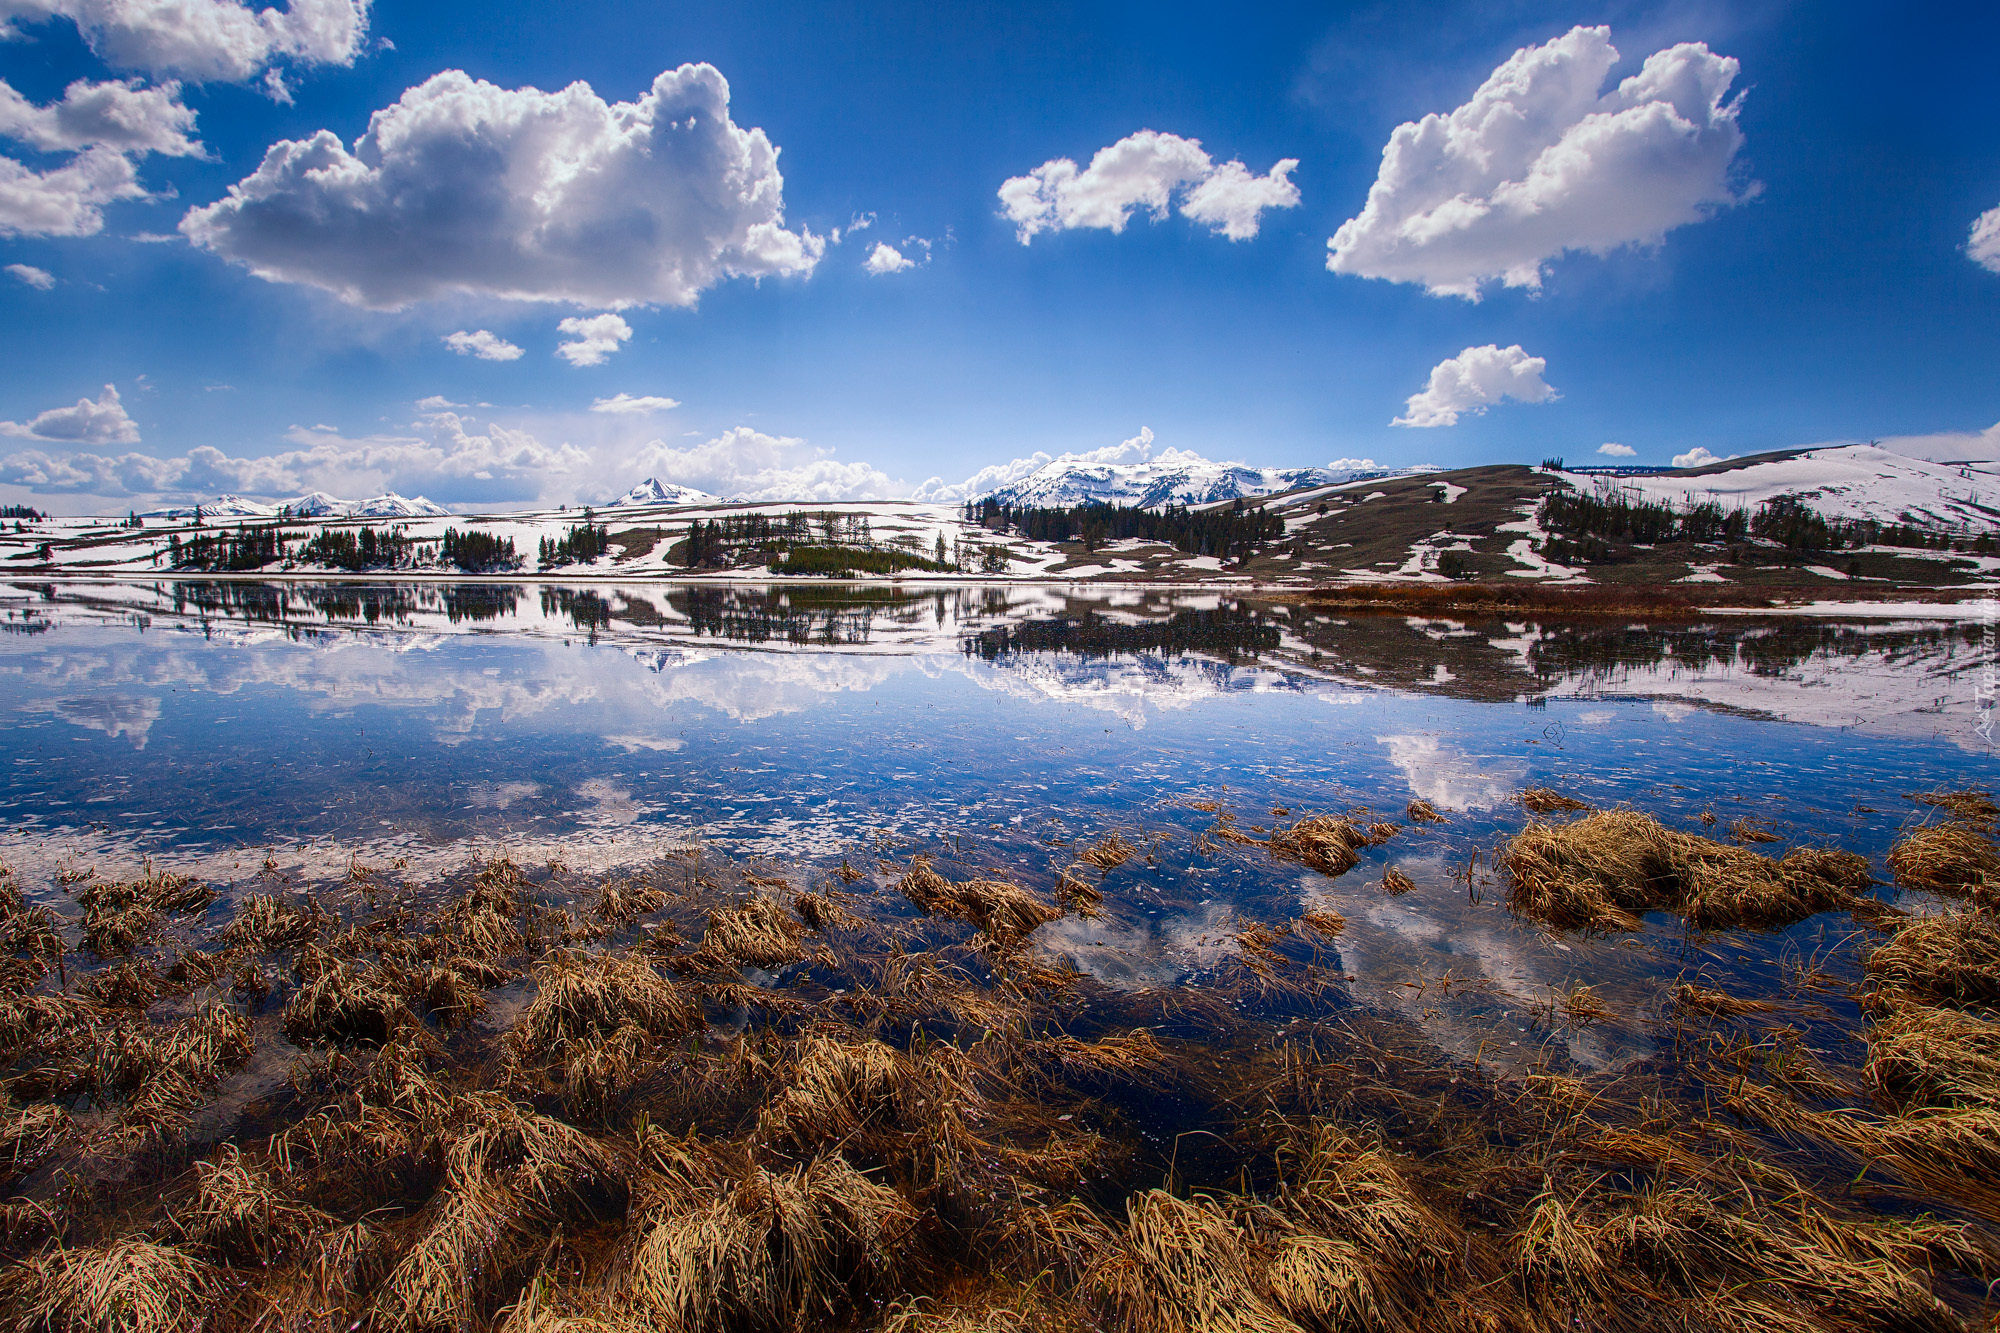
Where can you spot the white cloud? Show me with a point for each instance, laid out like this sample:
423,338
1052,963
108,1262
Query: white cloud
127,116
1145,171
1699,456
1952,446
1617,450
101,422
67,200
625,404
465,187
886,258
40,279
1983,246
204,40
1443,774
444,453
1473,381
747,464
485,345
1138,449
437,402
1538,163
595,338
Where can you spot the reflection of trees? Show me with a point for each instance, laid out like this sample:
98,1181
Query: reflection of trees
1765,650
1228,632
354,603
828,616
586,609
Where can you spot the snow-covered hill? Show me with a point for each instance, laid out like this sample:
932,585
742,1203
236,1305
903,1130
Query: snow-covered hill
653,491
1843,481
313,504
1176,476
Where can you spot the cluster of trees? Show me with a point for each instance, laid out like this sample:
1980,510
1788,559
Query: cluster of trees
1588,527
585,542
350,549
20,511
720,542
1233,532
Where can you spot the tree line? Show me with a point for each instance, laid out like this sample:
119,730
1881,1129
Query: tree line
1232,532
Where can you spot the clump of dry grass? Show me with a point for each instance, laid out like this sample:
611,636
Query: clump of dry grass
124,1286
118,914
1957,859
1326,843
1922,1057
239,1212
263,921
436,1282
340,1004
1969,804
580,996
837,1088
1007,913
1183,1267
758,931
771,1249
621,901
1395,882
1602,871
1422,812
1549,801
1109,852
1949,959
1078,895
824,911
30,1135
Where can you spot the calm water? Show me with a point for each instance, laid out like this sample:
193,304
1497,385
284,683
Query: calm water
209,724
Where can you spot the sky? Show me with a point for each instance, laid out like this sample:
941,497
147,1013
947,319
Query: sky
510,254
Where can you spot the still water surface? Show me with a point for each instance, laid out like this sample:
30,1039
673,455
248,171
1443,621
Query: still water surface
209,725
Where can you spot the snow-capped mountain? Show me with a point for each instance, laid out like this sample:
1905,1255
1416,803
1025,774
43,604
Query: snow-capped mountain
653,491
1855,481
1176,476
313,504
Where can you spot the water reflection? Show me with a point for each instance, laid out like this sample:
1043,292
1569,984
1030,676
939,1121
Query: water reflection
207,723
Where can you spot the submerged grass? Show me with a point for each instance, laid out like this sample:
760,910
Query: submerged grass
540,1106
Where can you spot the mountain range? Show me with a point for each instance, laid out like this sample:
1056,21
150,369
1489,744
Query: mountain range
313,504
1176,477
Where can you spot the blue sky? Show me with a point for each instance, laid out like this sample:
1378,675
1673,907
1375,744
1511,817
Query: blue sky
1795,259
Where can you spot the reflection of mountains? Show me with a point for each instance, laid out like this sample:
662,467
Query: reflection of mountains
1229,632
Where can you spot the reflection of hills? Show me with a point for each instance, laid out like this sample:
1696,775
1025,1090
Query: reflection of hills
348,603
1229,632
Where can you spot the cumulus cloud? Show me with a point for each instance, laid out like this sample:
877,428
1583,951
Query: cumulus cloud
204,40
1617,450
593,338
1138,449
485,345
886,258
103,421
38,278
1983,246
1952,446
1473,381
1699,456
746,464
466,187
444,451
1538,162
67,200
127,116
625,404
1146,171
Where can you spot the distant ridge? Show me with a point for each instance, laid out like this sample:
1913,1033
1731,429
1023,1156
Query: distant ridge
313,504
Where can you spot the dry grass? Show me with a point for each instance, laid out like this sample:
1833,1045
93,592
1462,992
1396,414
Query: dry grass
1109,852
1326,843
1949,959
1548,801
1956,859
1970,804
1720,1004
771,1249
344,1005
580,996
759,932
1603,871
1423,812
1183,1267
124,1286
1006,913
1395,882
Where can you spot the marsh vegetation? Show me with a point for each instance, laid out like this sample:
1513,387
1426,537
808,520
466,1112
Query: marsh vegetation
723,1095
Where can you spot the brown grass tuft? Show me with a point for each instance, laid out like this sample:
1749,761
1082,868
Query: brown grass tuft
124,1286
1422,812
1548,801
1955,859
581,996
1970,804
1396,882
1184,1267
1109,852
1721,1004
344,1005
1602,871
759,931
1952,958
1327,843
1007,913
